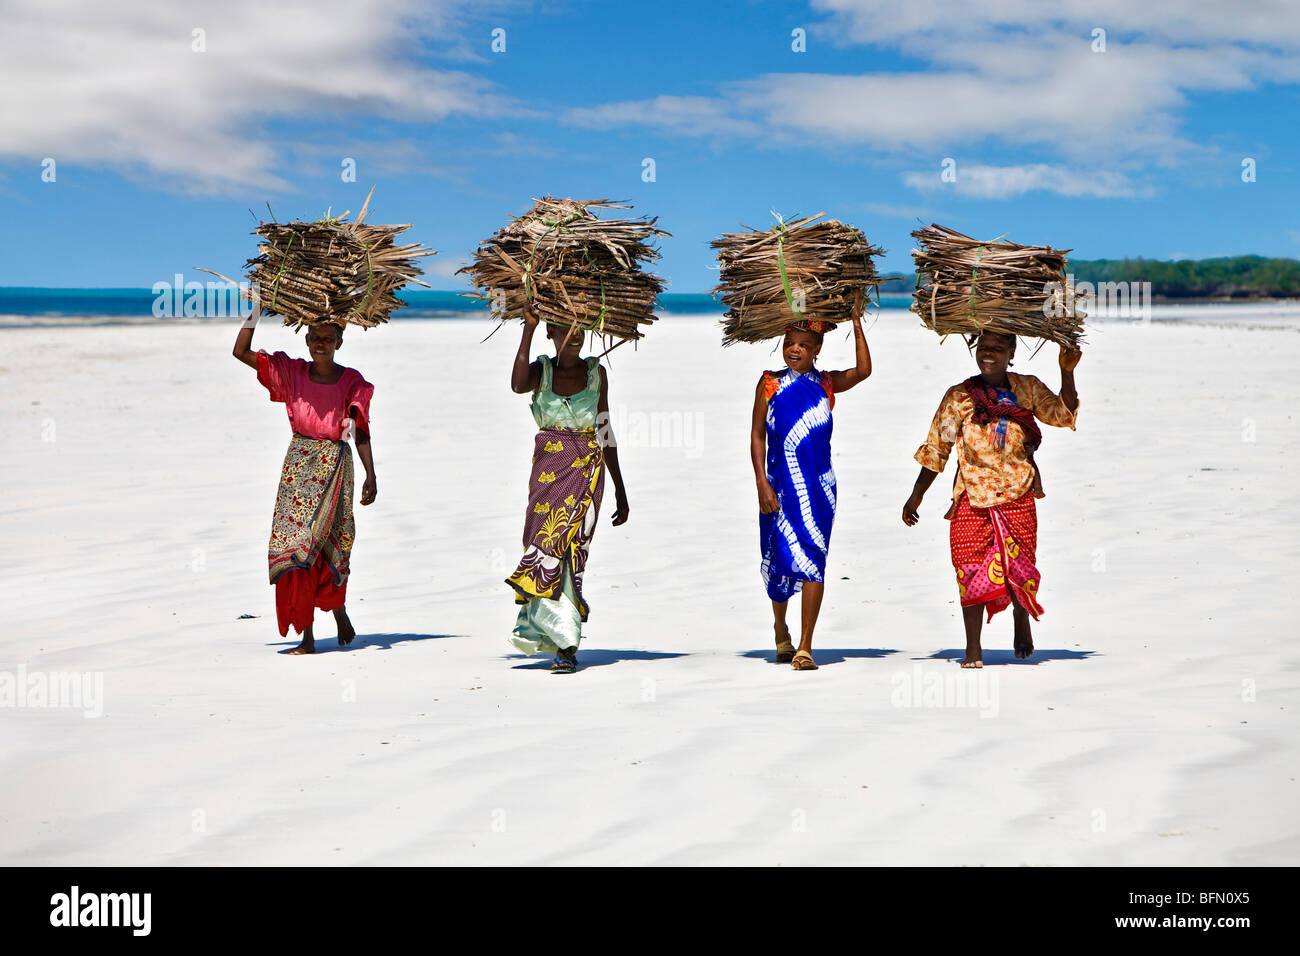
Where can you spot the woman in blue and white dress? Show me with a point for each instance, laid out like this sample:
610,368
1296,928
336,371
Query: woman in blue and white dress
790,446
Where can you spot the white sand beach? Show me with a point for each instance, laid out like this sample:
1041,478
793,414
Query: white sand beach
1155,724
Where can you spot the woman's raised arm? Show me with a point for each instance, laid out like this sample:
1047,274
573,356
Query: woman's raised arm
846,379
525,376
1069,361
244,340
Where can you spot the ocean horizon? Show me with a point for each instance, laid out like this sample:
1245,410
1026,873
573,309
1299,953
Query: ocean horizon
144,303
35,306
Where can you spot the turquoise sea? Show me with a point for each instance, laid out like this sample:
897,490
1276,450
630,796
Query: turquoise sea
105,306
28,307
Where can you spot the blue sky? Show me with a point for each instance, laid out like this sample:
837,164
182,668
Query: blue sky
161,150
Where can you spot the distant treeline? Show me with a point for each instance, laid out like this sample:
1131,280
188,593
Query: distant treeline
1235,277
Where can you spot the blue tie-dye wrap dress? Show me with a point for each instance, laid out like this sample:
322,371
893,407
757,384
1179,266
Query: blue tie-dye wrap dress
793,540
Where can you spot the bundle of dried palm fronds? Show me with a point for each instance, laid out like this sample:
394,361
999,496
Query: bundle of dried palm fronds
575,269
965,286
332,270
796,272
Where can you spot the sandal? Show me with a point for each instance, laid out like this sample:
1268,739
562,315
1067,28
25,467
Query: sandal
563,665
803,661
784,652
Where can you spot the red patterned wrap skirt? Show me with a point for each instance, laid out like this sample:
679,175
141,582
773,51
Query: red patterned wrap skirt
993,553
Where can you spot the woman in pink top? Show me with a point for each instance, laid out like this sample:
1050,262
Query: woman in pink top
312,529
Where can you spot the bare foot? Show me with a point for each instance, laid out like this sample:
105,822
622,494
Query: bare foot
346,631
308,646
972,616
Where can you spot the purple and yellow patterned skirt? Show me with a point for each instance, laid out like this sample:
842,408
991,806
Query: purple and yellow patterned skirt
564,492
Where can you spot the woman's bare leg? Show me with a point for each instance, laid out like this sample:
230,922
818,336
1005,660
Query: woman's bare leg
1024,639
812,605
973,617
346,631
782,629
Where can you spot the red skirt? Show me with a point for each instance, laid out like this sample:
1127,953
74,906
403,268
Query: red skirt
311,531
299,592
993,554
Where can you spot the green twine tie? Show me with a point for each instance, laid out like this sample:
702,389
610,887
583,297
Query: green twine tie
552,225
780,264
974,278
284,262
599,325
370,277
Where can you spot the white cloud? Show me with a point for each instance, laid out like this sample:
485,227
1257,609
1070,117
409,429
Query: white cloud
1027,73
932,25
1009,73
978,181
1055,94
93,83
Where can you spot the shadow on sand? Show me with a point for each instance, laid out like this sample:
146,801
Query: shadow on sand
592,658
826,655
328,643
998,657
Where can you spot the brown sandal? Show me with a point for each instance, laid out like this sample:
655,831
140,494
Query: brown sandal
803,661
784,652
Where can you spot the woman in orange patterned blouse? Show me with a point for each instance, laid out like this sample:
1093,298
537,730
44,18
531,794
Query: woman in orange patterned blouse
992,419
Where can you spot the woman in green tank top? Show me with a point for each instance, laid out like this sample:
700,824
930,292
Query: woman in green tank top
573,448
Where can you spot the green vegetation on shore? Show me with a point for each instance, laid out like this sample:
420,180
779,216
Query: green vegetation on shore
1227,277
1235,277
